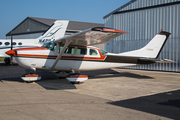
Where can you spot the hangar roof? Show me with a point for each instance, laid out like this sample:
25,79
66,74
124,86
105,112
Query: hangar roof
134,5
35,25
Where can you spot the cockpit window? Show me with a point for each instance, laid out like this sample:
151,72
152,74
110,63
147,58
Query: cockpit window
0,43
50,45
103,52
93,52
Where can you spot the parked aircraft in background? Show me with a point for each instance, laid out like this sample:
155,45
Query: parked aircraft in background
56,31
74,53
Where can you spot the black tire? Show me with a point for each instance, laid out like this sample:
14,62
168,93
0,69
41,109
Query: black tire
7,60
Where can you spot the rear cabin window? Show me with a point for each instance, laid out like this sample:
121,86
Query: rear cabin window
93,52
103,52
81,51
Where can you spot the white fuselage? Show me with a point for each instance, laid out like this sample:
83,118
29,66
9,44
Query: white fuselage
5,45
42,59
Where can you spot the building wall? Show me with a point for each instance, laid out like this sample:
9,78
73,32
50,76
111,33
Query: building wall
142,26
28,26
145,3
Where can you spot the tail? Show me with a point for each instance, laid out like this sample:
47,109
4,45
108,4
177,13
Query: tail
152,49
55,31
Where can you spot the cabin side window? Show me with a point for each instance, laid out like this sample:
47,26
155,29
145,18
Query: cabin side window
0,43
69,50
14,43
19,43
6,43
82,51
93,52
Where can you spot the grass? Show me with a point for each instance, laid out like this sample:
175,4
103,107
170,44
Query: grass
1,58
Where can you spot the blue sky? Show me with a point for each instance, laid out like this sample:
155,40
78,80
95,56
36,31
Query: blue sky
12,12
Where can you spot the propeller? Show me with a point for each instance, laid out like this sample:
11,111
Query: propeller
11,48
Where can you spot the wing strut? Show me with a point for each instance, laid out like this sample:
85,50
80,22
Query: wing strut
61,53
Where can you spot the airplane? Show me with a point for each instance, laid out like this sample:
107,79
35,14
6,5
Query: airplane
71,54
55,31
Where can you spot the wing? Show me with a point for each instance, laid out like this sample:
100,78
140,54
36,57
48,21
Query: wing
93,36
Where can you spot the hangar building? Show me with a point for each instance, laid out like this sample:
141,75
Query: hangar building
33,27
143,19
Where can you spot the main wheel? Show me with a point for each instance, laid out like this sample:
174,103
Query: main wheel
31,77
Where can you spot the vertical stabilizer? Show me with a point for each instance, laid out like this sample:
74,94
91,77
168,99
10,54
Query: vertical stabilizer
56,31
152,49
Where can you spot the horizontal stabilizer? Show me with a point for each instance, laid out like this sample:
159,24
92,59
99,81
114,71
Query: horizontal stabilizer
165,61
156,61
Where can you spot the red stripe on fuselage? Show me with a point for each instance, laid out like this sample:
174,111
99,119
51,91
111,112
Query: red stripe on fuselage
55,56
63,57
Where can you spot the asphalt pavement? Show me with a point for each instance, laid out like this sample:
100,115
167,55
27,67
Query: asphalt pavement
111,94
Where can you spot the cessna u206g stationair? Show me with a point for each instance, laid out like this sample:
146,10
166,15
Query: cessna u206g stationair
56,31
75,53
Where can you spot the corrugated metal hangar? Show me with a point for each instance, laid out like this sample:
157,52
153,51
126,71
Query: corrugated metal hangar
33,27
143,19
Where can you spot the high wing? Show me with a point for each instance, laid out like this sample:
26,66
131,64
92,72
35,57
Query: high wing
92,36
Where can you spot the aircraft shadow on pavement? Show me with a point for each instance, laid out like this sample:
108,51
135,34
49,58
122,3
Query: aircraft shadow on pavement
165,104
49,79
111,73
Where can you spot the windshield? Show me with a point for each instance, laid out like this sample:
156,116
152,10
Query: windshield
50,45
103,52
